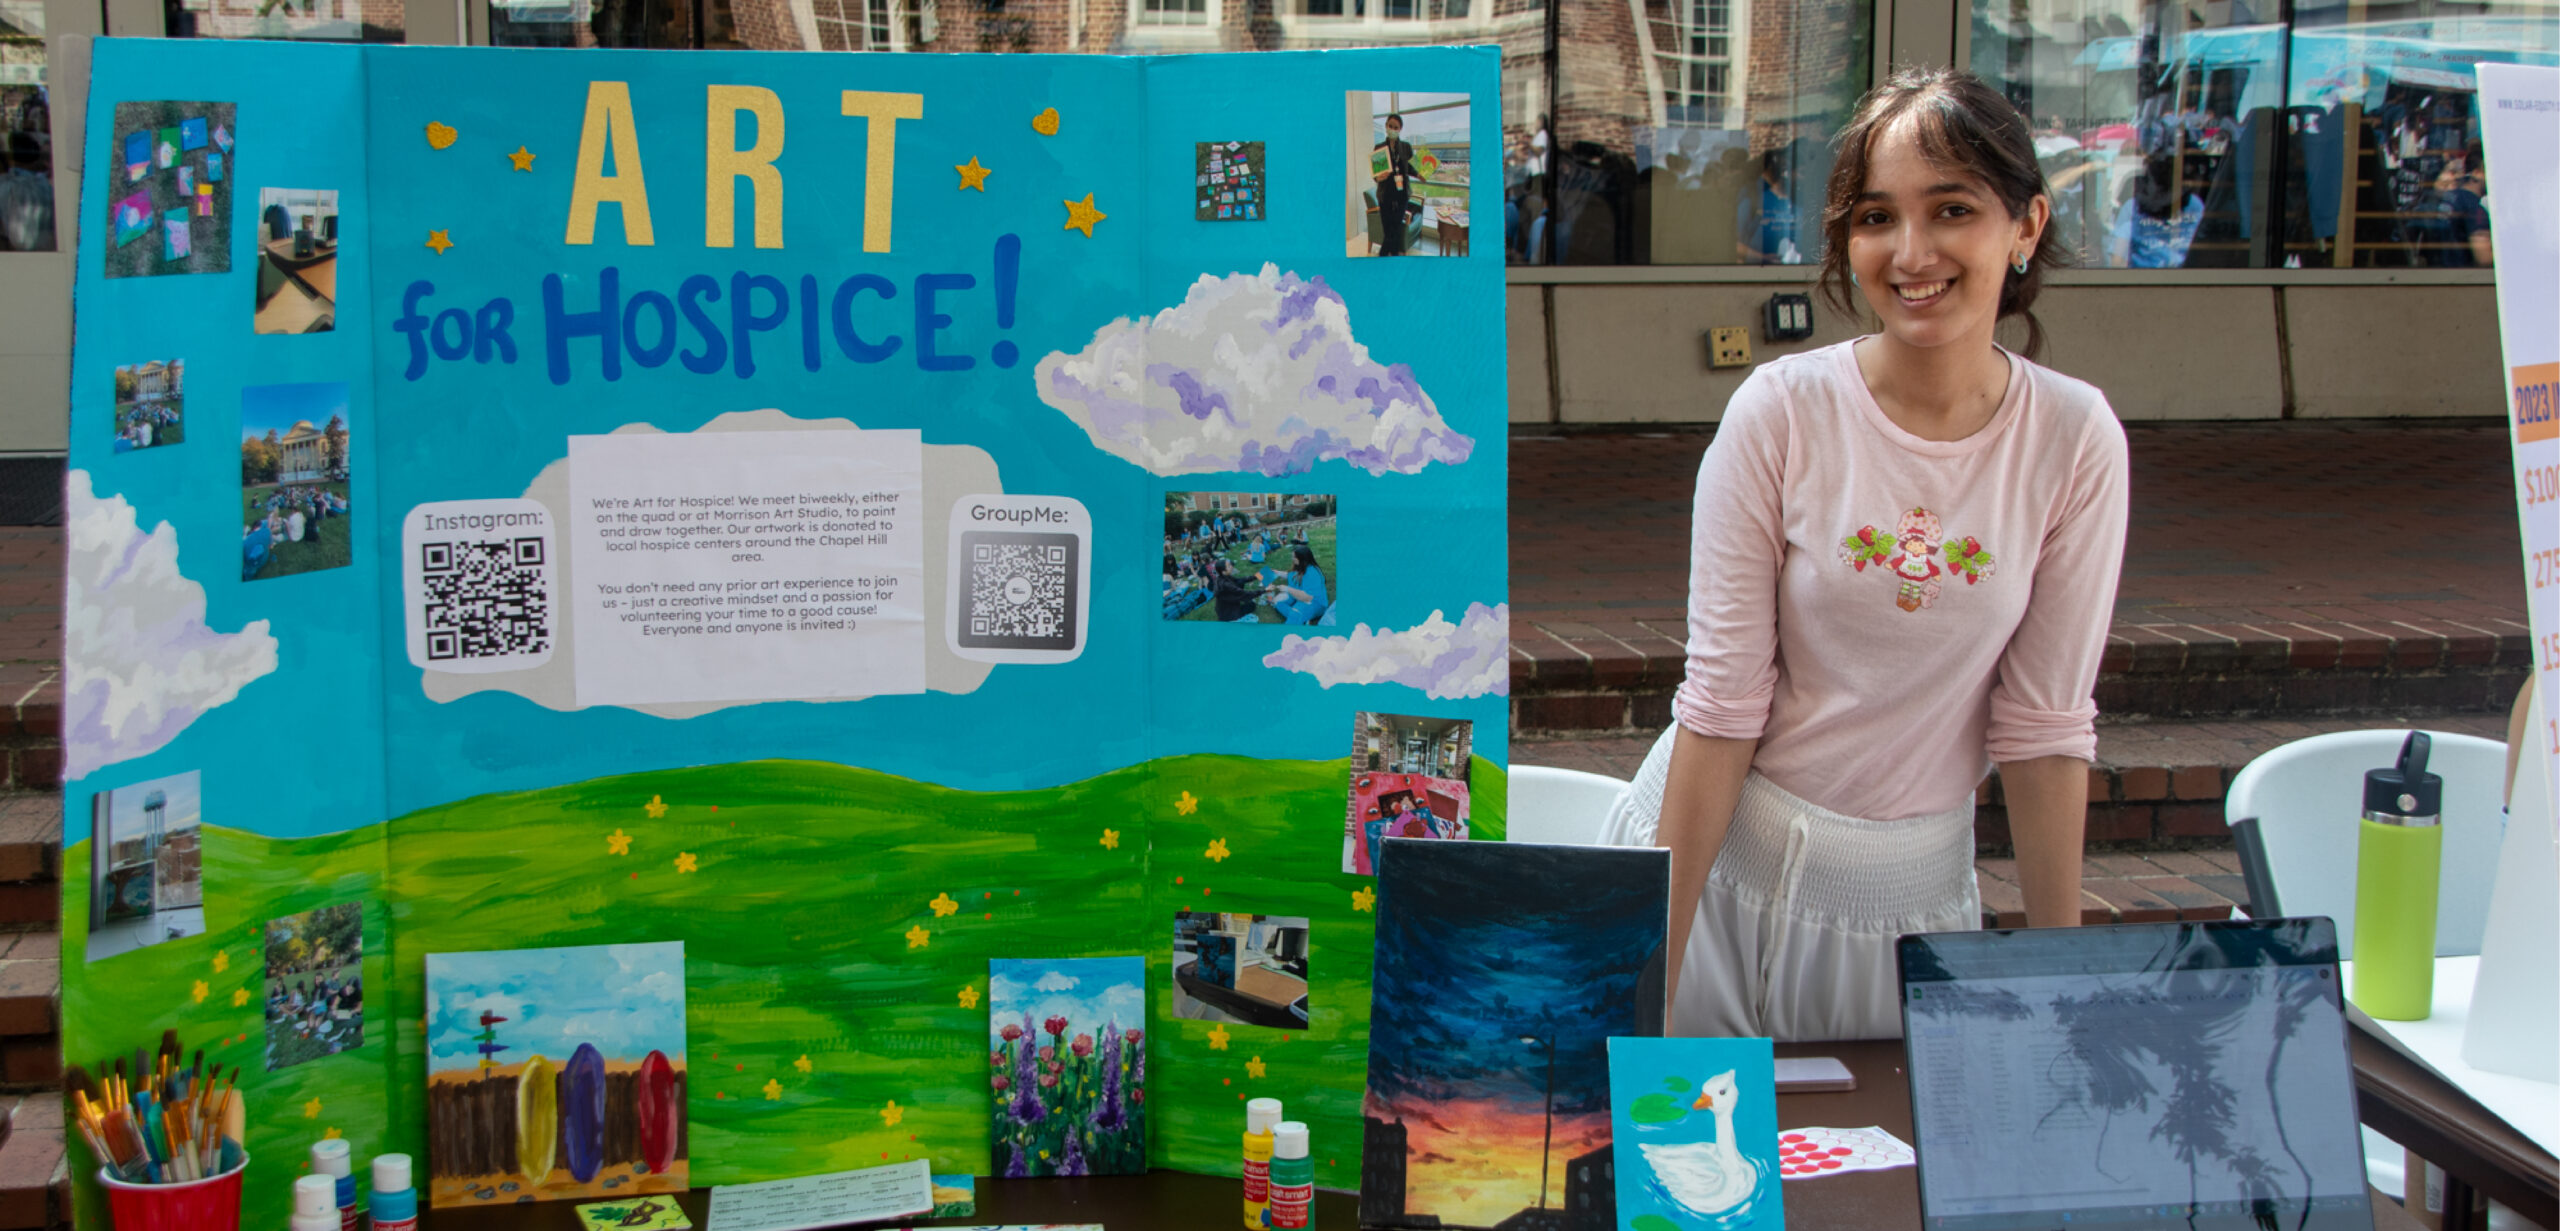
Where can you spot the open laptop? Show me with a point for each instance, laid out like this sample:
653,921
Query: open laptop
2175,1075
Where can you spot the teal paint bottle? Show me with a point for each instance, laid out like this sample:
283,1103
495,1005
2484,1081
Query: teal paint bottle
1293,1176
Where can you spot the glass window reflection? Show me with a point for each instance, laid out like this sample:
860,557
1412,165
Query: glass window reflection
2219,136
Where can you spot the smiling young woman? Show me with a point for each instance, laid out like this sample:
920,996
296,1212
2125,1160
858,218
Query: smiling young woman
1904,559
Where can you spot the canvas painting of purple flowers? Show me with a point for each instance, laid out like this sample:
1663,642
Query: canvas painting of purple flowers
1067,1066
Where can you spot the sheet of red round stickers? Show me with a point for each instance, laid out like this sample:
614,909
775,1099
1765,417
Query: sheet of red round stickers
1804,1153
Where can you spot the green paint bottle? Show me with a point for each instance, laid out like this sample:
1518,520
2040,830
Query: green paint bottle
1293,1176
2399,868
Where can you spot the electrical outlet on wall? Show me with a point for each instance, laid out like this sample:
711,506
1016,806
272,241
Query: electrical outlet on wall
1728,347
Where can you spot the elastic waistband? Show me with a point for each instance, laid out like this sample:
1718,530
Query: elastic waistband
1879,873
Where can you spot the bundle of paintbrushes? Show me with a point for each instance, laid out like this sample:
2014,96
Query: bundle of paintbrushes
161,1121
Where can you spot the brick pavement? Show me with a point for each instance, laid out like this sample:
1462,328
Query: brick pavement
2299,569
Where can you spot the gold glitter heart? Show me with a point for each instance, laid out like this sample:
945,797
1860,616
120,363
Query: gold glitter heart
439,135
1046,123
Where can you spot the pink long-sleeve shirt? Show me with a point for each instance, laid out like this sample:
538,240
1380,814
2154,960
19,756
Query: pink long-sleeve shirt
1890,615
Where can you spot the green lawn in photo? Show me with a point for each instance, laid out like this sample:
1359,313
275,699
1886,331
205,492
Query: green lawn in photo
1320,539
331,547
837,926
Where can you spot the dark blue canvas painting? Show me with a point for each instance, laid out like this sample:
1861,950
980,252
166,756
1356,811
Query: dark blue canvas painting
1502,972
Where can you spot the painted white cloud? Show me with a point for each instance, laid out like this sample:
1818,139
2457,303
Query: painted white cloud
139,661
1251,372
1056,982
1471,658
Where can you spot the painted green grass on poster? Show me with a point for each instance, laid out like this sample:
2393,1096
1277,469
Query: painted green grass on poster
808,886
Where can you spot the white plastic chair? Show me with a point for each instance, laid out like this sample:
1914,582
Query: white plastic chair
1563,807
2307,795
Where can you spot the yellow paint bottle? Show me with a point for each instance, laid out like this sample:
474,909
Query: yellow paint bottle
1260,1117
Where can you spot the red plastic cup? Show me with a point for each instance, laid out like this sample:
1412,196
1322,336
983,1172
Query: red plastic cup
209,1204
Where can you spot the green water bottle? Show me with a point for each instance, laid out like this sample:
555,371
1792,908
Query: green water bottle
2399,866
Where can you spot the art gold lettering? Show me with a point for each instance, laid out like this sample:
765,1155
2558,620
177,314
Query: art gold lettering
723,164
610,125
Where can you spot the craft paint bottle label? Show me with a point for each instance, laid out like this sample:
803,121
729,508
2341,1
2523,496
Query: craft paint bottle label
1257,1174
1292,1195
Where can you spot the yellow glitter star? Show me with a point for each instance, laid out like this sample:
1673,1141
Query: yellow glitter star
1186,805
656,807
239,996
943,906
685,861
1253,1067
772,1090
617,842
972,175
891,1114
1217,1038
1217,850
1111,839
311,1110
968,997
1363,898
522,158
439,241
917,937
221,960
1081,215
331,1134
202,991
801,1064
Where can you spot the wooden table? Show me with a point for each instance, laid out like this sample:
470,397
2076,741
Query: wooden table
1178,1201
2406,1102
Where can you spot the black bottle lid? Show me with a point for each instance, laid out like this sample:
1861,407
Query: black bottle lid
2406,788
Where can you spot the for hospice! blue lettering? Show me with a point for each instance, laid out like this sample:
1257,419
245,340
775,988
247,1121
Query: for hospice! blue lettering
647,327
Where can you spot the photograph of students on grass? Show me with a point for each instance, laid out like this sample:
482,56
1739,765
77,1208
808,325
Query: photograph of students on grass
293,480
150,404
315,984
1406,157
1408,780
1249,557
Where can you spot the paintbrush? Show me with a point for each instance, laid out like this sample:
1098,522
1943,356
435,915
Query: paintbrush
235,1113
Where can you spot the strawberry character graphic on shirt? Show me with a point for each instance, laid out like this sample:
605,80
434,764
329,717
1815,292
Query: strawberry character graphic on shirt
1911,554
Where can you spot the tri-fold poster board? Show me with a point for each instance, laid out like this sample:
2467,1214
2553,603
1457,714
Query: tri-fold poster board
606,589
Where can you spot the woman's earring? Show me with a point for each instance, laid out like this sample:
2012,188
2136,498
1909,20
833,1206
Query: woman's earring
1853,280
2020,264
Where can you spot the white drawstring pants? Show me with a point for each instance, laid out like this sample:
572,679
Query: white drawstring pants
1794,935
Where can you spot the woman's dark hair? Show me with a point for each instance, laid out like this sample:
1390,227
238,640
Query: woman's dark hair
1963,125
1306,557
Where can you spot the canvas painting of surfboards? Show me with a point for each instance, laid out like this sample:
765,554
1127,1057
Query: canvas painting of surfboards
555,1074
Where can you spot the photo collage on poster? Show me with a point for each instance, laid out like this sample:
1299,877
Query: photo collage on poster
1250,970
1408,780
297,260
150,404
1407,195
170,209
1250,557
1227,177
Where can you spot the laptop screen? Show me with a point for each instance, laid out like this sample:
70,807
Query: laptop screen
2176,1075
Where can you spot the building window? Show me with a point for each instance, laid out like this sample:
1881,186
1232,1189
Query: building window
1174,12
2179,137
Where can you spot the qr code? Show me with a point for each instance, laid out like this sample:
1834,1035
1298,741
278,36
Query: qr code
486,598
1018,591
